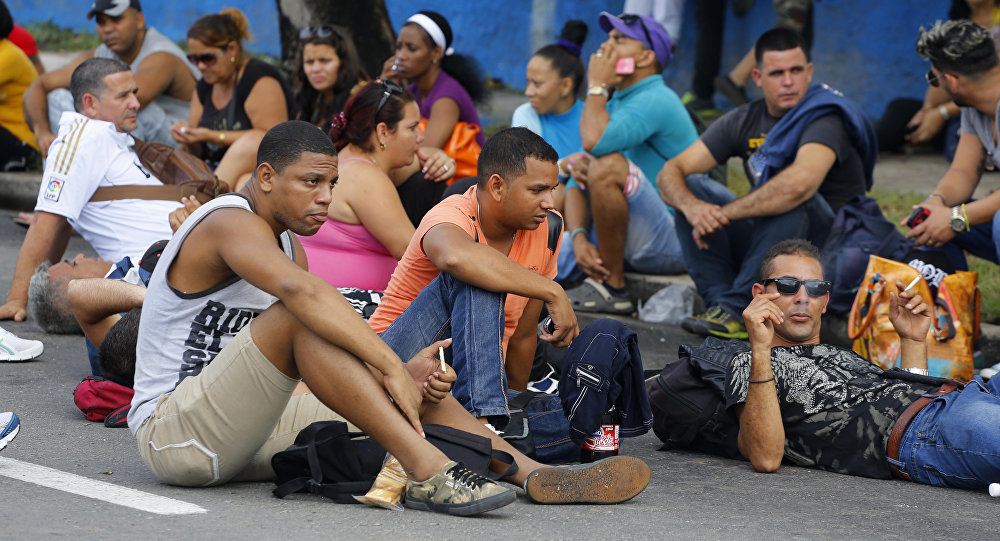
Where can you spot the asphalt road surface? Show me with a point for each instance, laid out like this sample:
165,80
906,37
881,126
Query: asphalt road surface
66,476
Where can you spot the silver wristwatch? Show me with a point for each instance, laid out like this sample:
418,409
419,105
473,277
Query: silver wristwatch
918,371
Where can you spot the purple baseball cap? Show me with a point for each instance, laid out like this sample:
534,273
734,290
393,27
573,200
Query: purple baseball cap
641,28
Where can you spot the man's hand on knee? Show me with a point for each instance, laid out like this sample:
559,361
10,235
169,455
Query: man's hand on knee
705,219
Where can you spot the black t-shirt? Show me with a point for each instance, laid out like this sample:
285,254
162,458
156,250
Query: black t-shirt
218,119
837,409
742,131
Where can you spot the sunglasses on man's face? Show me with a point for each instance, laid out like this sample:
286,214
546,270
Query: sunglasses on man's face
204,58
790,286
932,78
321,32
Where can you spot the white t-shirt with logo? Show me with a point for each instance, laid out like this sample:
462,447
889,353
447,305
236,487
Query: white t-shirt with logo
89,154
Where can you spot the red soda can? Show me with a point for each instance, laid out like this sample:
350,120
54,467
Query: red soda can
604,442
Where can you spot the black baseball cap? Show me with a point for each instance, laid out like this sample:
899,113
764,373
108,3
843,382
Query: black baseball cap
112,8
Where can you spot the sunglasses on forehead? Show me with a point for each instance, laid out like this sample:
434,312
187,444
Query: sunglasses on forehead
790,286
316,32
630,19
390,87
932,78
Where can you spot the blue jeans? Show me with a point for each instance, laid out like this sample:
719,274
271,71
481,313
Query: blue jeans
726,271
981,240
955,440
474,318
651,245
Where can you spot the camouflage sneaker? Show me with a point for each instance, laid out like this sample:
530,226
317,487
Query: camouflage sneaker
457,490
612,480
717,322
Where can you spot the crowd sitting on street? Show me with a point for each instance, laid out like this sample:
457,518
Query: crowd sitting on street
370,256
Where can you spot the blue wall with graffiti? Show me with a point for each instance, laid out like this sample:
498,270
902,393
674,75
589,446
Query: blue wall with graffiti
864,48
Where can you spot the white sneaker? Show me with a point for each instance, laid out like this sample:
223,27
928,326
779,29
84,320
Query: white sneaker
13,348
9,427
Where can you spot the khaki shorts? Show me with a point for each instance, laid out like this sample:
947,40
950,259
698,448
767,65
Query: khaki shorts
227,422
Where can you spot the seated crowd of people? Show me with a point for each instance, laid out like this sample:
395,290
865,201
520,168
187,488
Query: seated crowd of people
380,261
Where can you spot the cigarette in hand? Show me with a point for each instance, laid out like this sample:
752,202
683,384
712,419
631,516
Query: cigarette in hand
913,283
444,367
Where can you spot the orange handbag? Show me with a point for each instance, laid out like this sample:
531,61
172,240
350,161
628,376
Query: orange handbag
462,147
954,327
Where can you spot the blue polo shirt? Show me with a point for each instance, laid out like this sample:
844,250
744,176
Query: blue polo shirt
648,125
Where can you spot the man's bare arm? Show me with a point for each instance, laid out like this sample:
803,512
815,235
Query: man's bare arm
762,432
705,218
247,246
960,181
48,230
789,188
452,250
97,303
158,74
36,105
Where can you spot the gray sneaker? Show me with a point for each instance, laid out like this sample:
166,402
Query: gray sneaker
457,490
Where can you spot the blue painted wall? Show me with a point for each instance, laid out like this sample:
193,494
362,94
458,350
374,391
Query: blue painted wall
864,48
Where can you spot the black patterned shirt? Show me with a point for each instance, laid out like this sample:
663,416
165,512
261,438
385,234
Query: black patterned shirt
836,407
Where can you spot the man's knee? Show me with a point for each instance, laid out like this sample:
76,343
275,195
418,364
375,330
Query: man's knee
607,171
708,190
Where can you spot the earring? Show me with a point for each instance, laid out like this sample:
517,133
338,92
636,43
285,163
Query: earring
232,59
434,61
382,145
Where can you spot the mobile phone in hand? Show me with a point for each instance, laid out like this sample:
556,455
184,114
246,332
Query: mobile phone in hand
625,66
547,325
917,217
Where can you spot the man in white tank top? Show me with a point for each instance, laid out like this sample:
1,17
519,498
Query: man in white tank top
232,322
166,79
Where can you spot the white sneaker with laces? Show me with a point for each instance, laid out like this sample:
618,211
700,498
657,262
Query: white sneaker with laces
16,349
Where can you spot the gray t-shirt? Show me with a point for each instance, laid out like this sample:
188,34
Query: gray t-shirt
155,42
181,333
980,125
837,408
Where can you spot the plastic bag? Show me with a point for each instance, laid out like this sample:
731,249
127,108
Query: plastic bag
668,305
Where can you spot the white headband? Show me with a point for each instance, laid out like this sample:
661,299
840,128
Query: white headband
433,30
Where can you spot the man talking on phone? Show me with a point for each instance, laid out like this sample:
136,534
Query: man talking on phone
613,215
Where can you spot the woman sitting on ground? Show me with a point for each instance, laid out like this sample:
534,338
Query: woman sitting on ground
555,74
446,86
328,73
236,101
367,231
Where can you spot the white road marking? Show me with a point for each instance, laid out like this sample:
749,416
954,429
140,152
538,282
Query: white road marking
98,490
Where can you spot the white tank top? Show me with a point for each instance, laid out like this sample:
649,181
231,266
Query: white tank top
180,333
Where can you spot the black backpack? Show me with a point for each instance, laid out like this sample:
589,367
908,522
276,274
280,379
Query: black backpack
327,459
688,404
859,230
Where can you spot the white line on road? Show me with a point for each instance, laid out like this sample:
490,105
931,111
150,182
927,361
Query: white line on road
99,490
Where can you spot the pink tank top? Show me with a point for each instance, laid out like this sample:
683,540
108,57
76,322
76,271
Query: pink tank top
347,255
